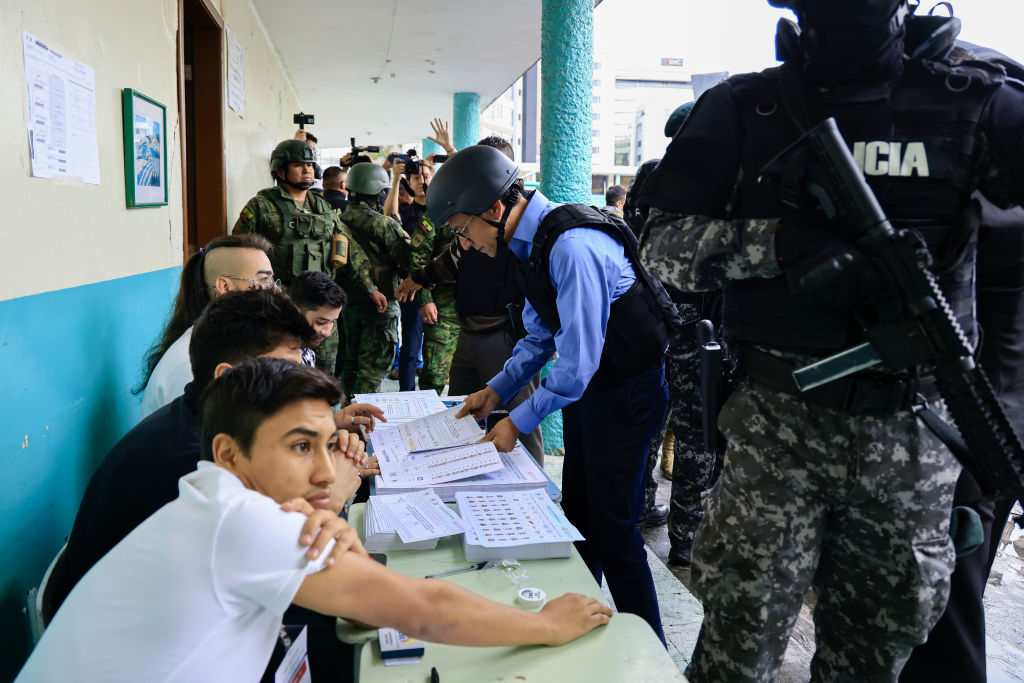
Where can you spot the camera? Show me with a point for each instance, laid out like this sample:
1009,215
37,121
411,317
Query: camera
303,120
412,164
440,158
356,150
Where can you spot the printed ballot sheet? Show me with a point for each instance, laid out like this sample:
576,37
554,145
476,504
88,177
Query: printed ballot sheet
436,466
417,516
403,406
440,430
511,518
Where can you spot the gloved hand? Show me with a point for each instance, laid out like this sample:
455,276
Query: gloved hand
813,255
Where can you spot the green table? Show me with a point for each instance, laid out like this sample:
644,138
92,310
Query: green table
624,650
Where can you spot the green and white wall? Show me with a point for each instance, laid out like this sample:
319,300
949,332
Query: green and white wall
85,283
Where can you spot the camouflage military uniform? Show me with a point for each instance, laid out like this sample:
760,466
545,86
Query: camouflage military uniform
439,339
856,506
302,241
370,337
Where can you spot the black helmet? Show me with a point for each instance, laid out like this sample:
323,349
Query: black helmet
470,182
291,152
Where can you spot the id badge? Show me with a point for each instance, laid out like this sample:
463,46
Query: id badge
294,667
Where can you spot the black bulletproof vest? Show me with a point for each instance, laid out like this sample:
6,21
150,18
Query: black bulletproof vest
486,285
917,139
640,319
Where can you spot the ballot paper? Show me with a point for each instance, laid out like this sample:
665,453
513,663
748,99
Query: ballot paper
404,406
419,516
439,430
518,471
426,468
503,518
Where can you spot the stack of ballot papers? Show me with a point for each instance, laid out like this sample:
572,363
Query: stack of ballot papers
518,472
432,450
520,525
409,521
404,406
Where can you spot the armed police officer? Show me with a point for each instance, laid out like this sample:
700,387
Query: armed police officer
841,487
371,320
589,299
302,226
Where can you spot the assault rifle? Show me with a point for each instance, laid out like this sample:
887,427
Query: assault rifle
905,318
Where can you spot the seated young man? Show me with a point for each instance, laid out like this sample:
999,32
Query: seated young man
141,472
320,300
197,591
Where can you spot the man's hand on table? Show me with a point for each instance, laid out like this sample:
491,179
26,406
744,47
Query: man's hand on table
573,615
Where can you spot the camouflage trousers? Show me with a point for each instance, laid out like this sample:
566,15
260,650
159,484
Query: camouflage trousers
857,507
693,467
327,352
439,342
370,339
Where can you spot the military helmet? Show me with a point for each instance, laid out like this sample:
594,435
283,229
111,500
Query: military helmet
677,118
469,182
367,179
291,152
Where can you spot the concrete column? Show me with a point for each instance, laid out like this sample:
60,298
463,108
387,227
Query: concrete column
431,147
466,119
567,72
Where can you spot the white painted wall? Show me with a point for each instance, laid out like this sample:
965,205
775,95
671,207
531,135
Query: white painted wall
59,234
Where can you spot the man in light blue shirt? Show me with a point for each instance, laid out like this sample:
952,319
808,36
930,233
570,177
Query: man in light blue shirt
589,300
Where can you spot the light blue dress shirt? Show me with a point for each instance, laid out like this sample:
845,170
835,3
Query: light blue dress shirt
589,270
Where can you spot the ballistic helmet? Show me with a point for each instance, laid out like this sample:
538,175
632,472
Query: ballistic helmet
470,182
367,179
291,152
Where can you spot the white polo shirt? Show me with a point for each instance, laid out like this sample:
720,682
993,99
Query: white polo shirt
194,593
169,377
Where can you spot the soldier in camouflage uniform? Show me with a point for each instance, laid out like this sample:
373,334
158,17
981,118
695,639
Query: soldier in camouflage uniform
440,336
371,320
840,488
301,225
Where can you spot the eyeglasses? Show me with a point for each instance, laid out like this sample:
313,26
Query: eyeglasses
461,232
262,283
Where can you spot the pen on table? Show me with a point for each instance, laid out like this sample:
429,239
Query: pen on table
434,678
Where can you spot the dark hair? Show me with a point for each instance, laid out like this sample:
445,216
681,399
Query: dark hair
310,137
332,174
501,144
313,289
615,193
193,295
248,394
240,325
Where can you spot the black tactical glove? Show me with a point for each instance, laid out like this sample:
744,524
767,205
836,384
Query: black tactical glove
814,256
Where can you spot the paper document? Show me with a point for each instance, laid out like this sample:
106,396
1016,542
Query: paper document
437,466
402,406
518,472
508,518
440,430
418,516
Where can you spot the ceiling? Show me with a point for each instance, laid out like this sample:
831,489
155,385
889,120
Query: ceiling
380,70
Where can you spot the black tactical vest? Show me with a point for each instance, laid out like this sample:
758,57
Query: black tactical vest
640,319
486,285
918,141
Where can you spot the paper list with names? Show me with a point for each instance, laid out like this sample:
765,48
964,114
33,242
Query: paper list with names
399,467
440,430
403,406
61,113
417,516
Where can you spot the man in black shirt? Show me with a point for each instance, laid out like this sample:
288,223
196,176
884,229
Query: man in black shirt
334,187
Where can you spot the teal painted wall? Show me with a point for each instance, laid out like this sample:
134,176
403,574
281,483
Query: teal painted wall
465,119
68,360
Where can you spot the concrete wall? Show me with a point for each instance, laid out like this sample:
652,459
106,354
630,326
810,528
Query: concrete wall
85,282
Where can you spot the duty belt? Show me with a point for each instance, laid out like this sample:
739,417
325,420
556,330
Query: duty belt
864,393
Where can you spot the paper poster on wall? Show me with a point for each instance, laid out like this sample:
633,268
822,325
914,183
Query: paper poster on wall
61,113
236,74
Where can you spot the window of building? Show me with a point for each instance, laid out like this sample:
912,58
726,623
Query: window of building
622,145
597,82
595,150
597,65
595,100
595,116
595,133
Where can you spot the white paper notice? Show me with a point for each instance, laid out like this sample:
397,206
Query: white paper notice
437,466
236,74
402,406
61,114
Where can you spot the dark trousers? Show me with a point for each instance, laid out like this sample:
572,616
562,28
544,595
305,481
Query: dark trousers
607,434
412,341
479,356
955,649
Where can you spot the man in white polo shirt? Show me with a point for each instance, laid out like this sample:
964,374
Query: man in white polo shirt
197,591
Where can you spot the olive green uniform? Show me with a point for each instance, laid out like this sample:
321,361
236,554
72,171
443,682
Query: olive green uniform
302,241
439,339
370,337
